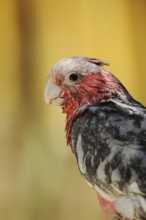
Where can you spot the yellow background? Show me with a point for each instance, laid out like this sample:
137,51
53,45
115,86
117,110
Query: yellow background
39,179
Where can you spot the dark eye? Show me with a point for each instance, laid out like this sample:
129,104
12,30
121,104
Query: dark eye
73,77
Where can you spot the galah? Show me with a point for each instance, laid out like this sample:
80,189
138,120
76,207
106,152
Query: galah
106,129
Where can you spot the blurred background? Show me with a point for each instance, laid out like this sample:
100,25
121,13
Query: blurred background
39,179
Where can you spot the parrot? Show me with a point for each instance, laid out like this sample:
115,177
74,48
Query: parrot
106,130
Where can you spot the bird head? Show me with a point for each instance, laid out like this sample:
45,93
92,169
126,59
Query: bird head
78,81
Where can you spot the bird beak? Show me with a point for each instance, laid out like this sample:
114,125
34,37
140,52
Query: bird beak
52,94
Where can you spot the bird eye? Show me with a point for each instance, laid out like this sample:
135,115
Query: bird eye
73,76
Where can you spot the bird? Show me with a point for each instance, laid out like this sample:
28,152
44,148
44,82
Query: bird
106,130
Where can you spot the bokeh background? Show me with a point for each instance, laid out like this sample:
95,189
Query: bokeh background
39,179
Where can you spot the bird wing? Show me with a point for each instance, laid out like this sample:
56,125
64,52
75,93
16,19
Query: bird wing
109,141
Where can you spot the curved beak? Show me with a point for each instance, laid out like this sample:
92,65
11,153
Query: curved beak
52,94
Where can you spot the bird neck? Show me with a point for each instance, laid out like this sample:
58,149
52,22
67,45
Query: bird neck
93,90
73,111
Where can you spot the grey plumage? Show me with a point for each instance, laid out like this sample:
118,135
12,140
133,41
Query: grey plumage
113,141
